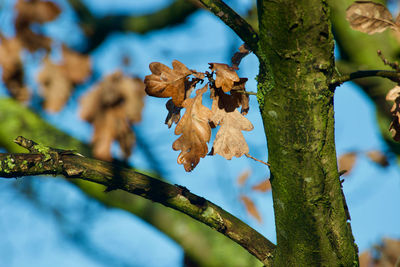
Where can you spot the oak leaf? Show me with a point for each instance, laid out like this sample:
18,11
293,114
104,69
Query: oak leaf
369,17
251,207
112,107
13,71
229,141
165,82
346,162
225,76
195,131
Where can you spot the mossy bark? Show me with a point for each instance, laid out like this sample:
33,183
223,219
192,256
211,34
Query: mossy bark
296,103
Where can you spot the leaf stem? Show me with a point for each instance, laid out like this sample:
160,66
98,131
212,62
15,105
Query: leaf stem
251,157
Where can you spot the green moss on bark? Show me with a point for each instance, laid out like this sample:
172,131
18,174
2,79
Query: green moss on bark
296,66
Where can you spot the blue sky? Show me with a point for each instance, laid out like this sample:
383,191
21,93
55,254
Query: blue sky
372,193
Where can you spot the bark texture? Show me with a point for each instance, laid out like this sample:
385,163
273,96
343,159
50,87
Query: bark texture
296,103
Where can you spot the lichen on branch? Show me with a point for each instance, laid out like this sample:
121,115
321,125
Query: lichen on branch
46,160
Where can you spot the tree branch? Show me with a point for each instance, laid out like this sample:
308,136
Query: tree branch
234,21
98,29
47,160
389,74
200,242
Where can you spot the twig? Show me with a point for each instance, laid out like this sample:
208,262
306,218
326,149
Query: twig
393,65
251,157
389,74
234,21
46,160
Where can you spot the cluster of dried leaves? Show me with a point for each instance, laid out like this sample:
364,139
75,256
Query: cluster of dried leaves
370,17
227,92
263,186
347,161
382,255
56,81
28,12
113,106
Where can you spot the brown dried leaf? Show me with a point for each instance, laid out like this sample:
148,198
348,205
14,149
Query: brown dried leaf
251,207
229,141
242,178
225,76
238,56
378,157
393,93
34,12
33,41
195,130
263,186
394,128
165,82
391,250
112,107
238,92
369,17
55,87
77,67
365,259
346,162
174,113
13,72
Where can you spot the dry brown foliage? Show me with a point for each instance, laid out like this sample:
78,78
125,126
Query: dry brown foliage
251,207
387,254
243,177
165,82
195,131
13,71
263,186
197,121
394,128
378,157
370,17
34,11
58,80
225,76
112,107
229,141
346,162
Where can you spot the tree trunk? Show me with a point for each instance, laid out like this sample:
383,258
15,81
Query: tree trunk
296,66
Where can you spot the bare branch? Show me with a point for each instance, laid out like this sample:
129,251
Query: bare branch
389,74
234,21
47,160
98,28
